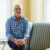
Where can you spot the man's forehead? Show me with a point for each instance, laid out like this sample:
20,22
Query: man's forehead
17,6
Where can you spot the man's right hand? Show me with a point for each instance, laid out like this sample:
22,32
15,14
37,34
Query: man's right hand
12,39
15,41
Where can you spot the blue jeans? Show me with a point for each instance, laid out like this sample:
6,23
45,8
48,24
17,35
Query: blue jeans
14,46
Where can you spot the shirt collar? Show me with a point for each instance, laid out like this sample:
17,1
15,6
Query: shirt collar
15,17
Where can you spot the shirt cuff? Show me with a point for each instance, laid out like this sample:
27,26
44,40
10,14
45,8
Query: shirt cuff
26,35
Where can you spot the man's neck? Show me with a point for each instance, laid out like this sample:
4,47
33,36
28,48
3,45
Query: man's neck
18,18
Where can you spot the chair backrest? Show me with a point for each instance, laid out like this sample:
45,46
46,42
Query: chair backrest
40,36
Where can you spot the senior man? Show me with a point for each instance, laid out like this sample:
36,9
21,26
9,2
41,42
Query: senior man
17,29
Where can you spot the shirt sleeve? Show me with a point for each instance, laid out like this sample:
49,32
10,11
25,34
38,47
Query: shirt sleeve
8,34
26,29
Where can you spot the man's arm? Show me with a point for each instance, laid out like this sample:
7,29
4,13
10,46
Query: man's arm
8,31
21,42
9,34
26,30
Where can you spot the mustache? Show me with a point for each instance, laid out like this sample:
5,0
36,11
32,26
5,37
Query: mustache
18,14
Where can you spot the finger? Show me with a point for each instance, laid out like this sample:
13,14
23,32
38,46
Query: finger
17,44
21,43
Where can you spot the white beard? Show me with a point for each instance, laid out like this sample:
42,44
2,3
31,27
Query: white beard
17,15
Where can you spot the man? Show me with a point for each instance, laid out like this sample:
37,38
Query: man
17,30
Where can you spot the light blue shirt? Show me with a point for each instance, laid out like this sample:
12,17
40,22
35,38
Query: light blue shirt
17,29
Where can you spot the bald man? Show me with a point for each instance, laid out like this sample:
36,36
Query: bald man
17,30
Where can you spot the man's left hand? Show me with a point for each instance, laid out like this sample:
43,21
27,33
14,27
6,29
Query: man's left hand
21,42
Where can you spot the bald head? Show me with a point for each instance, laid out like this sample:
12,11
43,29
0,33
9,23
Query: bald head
17,9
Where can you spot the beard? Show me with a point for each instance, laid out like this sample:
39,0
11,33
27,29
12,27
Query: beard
17,14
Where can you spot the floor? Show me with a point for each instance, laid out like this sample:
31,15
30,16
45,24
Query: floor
6,47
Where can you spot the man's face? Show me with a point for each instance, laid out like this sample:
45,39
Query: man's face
17,10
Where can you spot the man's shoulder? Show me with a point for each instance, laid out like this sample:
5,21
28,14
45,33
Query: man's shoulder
24,18
10,18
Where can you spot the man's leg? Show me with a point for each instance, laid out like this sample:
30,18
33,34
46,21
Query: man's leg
22,47
19,48
16,48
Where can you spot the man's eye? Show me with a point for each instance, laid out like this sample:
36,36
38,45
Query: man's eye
18,9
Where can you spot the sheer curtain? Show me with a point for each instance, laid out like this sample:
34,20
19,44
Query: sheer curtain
4,14
47,10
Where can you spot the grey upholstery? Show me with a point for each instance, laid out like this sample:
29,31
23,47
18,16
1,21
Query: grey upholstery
39,37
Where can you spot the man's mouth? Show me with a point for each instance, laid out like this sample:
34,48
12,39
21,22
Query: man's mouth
18,14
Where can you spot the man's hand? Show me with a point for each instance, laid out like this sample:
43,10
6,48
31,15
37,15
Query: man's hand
21,42
14,41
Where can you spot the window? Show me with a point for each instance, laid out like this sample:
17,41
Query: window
47,10
4,13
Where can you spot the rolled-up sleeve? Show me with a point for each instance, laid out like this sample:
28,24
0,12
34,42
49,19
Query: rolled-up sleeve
8,33
26,29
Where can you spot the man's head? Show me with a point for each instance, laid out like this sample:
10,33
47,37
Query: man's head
17,9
